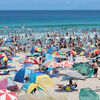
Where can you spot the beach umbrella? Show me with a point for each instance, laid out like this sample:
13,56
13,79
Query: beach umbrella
83,69
4,48
6,58
29,87
32,61
97,51
71,52
91,46
75,75
88,94
52,64
83,53
66,63
1,57
57,53
39,49
8,84
7,95
91,50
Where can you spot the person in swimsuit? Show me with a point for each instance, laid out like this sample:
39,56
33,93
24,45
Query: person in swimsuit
95,66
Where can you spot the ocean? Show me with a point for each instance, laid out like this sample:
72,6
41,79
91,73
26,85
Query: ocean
40,18
51,18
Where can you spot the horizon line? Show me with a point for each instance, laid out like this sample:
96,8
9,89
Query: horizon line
54,10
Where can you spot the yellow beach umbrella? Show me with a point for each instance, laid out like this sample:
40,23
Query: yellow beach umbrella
5,57
82,53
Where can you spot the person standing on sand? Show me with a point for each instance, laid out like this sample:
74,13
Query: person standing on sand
95,66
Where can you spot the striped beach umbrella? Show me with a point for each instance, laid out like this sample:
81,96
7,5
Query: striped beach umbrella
66,63
57,53
7,95
52,64
97,51
83,53
39,49
71,52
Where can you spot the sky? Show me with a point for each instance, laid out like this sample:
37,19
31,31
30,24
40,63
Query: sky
49,4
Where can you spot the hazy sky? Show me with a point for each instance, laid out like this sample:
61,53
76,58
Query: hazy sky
49,4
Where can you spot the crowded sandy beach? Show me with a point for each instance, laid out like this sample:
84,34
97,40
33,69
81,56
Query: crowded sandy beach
50,65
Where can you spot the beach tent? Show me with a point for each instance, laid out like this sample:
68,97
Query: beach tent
41,78
8,84
19,77
29,87
88,94
83,69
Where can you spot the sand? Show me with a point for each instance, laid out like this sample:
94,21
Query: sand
54,92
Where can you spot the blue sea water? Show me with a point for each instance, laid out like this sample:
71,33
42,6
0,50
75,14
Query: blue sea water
42,18
41,21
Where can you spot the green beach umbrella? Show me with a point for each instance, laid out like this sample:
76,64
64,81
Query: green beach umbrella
83,69
88,94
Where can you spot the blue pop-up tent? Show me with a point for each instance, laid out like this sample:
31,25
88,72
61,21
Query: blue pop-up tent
19,77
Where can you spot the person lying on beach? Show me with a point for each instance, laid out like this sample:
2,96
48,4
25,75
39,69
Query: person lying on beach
69,87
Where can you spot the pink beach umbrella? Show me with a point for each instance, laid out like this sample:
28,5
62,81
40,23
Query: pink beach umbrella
7,95
52,64
66,64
